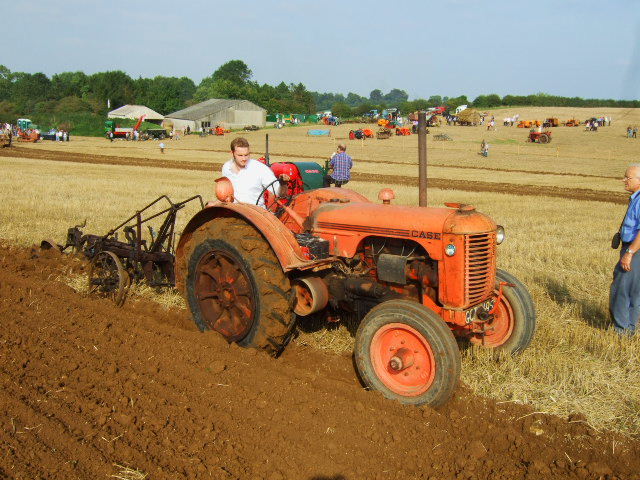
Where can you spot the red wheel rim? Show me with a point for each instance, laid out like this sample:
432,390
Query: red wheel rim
498,330
403,359
225,295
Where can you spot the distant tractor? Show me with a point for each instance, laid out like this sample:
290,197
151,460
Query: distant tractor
112,130
572,123
551,122
539,137
383,133
360,134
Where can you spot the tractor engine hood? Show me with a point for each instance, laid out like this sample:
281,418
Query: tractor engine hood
348,223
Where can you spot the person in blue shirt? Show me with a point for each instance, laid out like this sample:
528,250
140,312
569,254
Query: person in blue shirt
624,300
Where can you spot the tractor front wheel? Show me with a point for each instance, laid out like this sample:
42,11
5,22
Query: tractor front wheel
408,353
514,320
236,286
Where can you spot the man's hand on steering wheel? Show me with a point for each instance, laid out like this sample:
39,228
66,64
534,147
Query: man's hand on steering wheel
278,199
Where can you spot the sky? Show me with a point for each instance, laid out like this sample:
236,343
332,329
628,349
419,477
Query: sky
584,48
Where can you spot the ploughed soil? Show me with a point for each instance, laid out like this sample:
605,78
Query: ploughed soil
442,183
88,388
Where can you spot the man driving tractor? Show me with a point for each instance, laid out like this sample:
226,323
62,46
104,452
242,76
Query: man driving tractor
250,178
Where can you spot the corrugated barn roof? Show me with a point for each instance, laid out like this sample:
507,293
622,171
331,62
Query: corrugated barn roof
212,106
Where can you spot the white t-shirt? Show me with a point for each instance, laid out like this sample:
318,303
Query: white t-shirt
249,181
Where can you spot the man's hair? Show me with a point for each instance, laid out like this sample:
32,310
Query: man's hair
342,146
239,142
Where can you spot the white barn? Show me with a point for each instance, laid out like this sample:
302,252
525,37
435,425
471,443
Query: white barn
216,111
136,111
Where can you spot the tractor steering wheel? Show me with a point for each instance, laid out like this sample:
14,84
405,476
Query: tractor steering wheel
271,204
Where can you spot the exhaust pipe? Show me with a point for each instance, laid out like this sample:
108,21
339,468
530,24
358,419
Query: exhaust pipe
422,159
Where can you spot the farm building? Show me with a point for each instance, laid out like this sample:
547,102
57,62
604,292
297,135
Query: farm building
136,111
226,113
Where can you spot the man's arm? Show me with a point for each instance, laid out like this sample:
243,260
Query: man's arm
269,178
625,261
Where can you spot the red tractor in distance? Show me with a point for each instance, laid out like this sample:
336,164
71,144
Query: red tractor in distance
412,279
536,136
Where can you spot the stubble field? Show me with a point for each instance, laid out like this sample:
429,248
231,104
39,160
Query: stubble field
560,203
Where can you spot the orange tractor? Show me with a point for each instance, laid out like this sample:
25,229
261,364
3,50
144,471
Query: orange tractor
30,136
412,279
360,134
536,136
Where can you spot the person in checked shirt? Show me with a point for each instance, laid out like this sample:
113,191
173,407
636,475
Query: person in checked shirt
340,167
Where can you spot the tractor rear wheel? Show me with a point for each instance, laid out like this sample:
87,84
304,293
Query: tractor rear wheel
408,353
236,287
544,138
514,322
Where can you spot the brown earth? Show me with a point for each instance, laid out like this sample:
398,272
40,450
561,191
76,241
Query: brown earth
86,386
442,183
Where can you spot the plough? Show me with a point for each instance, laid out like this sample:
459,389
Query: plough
116,264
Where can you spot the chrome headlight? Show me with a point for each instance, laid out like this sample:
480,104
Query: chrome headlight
500,235
450,250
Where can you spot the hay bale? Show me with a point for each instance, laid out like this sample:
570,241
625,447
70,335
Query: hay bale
469,116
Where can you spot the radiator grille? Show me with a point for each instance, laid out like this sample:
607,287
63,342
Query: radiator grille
480,266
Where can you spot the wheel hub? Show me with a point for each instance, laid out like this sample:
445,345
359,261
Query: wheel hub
401,360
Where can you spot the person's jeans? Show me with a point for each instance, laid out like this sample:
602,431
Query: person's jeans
328,180
624,298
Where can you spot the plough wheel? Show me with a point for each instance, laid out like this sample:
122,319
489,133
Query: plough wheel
108,278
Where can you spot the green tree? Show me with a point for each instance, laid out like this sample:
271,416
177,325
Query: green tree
435,101
455,102
376,97
353,99
395,97
165,94
67,84
363,108
116,86
72,104
341,109
30,89
235,71
6,81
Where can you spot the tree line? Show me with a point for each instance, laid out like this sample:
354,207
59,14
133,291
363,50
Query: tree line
76,92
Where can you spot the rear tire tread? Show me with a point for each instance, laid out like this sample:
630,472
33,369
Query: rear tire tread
276,319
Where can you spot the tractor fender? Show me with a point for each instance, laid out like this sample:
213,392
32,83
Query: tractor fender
279,237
